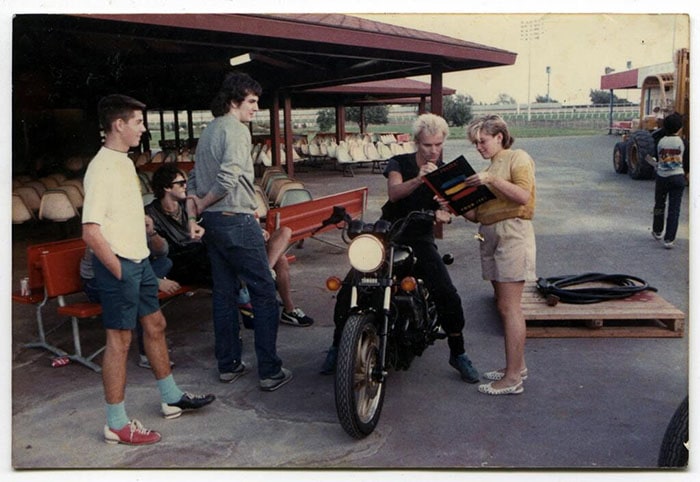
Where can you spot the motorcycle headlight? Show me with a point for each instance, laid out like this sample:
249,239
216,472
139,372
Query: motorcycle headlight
366,253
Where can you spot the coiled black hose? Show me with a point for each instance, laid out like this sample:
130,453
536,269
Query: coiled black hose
623,286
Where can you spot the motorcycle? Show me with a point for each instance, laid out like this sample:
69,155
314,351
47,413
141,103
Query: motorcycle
392,317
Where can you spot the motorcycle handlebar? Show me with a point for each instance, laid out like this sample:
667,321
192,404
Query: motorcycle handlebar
338,215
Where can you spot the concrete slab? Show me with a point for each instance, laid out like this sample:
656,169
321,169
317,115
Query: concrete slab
588,404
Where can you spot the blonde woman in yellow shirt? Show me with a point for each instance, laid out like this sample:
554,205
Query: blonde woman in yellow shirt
508,248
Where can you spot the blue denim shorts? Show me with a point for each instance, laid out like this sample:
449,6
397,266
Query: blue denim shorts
128,299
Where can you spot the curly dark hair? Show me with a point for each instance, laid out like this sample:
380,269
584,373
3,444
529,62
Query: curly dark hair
235,88
163,179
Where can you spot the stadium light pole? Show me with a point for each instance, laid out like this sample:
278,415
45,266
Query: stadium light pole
530,30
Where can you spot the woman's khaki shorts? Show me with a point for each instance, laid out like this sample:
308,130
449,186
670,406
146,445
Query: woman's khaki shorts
508,251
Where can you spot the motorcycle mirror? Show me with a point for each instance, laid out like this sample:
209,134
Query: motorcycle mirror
355,227
448,258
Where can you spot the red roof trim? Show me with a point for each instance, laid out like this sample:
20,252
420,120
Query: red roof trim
407,87
620,80
332,29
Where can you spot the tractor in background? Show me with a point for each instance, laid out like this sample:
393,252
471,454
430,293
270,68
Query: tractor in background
662,94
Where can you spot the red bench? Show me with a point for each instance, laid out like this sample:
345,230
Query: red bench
55,270
306,217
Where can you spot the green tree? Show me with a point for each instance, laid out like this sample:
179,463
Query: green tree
373,114
325,118
603,97
457,109
505,99
543,99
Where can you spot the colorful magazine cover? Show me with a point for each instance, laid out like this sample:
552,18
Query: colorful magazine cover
448,182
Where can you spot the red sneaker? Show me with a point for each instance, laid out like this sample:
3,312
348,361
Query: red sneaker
133,433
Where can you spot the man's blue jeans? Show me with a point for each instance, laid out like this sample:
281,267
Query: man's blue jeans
236,249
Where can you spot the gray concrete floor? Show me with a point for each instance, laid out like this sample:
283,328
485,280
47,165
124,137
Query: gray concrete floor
590,403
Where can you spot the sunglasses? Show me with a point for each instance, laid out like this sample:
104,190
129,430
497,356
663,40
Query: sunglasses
179,183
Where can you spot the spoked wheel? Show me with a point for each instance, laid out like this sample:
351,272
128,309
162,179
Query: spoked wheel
358,395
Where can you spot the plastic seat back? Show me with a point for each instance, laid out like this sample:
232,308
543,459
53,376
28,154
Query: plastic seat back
75,182
61,271
74,194
31,198
295,196
275,187
20,211
269,172
285,187
56,206
267,187
263,204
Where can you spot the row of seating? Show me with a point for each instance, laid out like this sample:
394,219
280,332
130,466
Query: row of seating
276,189
262,155
355,150
159,157
53,197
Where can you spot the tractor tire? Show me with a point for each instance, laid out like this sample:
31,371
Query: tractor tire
674,448
640,144
620,158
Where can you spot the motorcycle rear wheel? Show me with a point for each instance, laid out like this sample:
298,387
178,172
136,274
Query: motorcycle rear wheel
358,395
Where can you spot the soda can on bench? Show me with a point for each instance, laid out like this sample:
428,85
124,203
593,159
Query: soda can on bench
24,286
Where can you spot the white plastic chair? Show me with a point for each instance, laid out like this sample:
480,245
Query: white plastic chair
30,197
20,211
294,196
76,197
56,206
40,187
49,182
283,188
75,182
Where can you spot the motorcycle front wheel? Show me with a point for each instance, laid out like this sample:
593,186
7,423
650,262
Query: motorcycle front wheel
358,395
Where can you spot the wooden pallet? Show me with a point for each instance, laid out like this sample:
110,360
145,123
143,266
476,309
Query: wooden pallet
643,315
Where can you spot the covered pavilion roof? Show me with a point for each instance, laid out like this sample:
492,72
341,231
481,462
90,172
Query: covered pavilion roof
178,60
393,91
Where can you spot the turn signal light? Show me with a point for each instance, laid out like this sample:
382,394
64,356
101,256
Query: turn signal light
333,283
409,283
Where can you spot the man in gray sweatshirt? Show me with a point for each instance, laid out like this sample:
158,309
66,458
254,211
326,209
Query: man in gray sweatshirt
220,190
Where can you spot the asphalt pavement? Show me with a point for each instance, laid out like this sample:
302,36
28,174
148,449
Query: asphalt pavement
590,404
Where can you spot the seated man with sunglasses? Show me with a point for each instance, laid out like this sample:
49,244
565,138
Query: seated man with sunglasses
189,256
190,260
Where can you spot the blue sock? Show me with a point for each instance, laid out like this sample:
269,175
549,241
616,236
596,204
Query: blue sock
169,391
116,415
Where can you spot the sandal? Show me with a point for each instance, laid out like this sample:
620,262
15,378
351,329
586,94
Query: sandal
512,390
499,374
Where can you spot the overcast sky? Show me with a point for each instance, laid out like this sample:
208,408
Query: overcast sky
576,44
576,47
